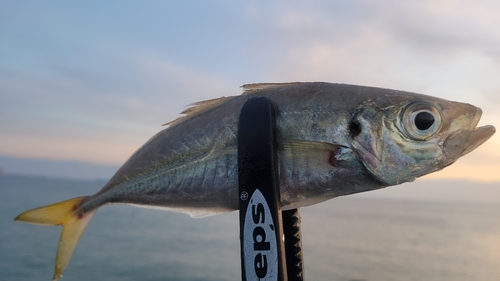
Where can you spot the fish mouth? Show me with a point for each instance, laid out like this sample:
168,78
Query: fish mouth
468,137
478,134
478,137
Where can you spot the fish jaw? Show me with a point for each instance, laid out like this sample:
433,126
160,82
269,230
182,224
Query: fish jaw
479,136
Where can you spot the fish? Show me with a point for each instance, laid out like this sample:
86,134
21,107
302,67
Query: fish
332,140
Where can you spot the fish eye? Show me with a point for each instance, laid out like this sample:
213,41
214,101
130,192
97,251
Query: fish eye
421,121
424,120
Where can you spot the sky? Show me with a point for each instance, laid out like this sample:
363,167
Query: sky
91,81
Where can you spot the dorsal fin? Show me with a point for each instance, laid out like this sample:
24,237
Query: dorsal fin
202,106
197,108
249,88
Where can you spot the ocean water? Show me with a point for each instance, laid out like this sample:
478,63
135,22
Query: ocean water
344,239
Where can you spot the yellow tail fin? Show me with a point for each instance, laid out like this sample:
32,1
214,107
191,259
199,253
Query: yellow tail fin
74,223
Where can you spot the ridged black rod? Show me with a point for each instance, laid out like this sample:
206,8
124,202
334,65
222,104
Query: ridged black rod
293,245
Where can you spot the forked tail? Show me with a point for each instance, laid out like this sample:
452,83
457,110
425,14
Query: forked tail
73,221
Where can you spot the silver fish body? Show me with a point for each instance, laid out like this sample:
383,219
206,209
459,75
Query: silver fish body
333,140
192,165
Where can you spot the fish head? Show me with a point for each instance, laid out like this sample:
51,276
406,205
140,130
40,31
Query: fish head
399,137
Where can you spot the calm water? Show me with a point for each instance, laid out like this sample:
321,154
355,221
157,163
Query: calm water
345,239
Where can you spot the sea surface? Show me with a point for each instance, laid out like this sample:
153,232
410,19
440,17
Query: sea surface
344,239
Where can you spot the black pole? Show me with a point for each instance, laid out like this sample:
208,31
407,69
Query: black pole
265,232
262,255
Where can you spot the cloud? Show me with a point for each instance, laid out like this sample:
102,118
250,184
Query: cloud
448,25
163,80
69,112
64,80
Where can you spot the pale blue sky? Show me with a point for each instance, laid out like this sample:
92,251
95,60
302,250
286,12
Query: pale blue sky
93,80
